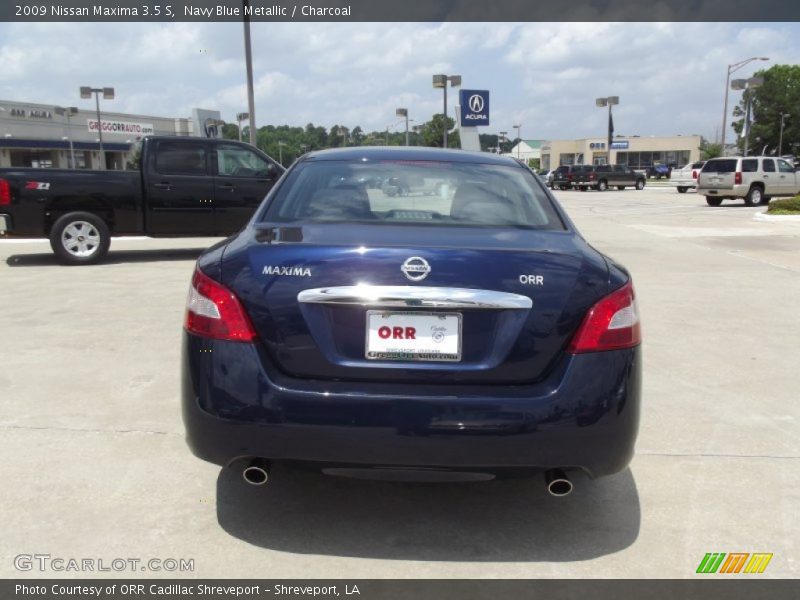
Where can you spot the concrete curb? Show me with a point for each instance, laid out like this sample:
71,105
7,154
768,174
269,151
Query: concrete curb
776,218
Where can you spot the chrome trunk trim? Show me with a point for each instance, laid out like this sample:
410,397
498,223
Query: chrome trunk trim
399,296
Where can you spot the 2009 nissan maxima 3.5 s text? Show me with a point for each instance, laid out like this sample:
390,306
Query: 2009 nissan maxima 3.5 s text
413,312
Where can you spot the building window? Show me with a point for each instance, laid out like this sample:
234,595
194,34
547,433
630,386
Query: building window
566,159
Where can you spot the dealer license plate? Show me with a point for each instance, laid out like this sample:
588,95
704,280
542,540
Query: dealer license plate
413,336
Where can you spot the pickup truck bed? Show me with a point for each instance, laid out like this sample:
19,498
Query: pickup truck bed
686,178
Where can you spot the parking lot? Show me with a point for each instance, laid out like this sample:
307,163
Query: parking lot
96,466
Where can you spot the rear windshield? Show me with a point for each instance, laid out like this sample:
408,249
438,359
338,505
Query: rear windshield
413,192
720,165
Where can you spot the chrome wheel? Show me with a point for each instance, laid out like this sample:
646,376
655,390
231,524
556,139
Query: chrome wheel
80,239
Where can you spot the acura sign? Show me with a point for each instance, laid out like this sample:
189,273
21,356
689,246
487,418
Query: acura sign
474,108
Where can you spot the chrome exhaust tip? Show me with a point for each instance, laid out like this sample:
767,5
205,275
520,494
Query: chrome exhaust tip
558,484
257,472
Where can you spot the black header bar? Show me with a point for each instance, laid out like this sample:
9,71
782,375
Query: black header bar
401,11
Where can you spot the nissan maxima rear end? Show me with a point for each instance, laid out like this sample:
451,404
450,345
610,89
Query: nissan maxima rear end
459,330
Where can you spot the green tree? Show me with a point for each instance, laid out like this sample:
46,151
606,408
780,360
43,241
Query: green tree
779,94
709,150
230,131
433,131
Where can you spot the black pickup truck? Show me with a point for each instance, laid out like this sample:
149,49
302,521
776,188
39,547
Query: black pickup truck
182,187
602,177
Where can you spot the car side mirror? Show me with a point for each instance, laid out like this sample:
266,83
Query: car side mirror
272,171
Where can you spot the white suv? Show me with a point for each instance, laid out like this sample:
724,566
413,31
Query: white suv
754,178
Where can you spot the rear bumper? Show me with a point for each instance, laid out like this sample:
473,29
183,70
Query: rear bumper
585,415
737,191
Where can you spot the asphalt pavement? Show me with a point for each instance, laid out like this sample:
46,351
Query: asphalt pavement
95,466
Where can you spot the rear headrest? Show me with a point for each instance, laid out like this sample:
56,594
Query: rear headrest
466,194
342,202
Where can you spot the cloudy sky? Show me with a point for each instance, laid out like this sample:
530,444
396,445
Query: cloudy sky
670,76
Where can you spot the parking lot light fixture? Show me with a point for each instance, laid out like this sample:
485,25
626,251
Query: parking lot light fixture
500,140
732,69
519,139
68,112
108,94
440,81
242,116
746,85
280,152
403,112
780,139
609,102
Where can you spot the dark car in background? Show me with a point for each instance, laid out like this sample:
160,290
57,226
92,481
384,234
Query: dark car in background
618,176
459,335
566,176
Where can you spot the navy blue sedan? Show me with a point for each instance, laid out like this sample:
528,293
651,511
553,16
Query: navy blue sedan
454,327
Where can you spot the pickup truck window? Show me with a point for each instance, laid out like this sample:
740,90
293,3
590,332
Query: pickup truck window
769,165
749,165
173,158
785,167
235,161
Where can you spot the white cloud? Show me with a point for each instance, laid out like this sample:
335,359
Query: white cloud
669,76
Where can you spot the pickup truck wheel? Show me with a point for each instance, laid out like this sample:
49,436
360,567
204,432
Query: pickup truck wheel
713,201
682,190
640,184
80,238
754,197
602,185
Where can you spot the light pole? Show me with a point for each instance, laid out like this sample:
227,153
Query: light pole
242,116
747,85
519,139
108,94
440,81
732,69
403,112
248,59
780,139
609,101
68,112
280,152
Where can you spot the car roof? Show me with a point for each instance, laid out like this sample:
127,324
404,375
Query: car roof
406,153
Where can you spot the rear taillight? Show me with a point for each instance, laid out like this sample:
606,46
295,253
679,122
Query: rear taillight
5,193
737,178
694,174
213,311
611,324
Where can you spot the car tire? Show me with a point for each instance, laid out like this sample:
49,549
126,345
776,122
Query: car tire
640,184
80,238
754,197
620,187
583,188
713,201
602,185
682,190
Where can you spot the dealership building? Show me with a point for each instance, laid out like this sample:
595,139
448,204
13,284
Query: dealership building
46,136
634,151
